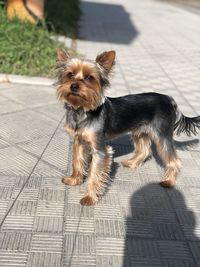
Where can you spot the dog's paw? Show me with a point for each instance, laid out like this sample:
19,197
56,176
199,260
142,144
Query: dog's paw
68,180
168,183
88,201
129,164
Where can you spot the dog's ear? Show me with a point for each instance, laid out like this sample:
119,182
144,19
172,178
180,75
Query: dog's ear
62,55
106,60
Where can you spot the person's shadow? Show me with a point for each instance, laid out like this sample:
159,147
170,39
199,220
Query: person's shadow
160,229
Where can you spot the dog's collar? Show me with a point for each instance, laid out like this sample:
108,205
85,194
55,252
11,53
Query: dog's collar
70,107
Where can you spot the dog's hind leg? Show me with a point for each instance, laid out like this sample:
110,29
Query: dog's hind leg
167,152
142,145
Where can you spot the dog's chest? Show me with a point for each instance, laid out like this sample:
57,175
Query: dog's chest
76,119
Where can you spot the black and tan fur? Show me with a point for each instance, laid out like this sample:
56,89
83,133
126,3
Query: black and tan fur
92,119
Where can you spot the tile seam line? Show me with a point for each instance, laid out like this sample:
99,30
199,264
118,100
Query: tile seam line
65,207
61,216
30,154
34,167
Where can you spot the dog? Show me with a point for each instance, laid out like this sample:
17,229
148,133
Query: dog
92,118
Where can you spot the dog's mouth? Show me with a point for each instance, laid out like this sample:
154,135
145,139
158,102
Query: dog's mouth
76,94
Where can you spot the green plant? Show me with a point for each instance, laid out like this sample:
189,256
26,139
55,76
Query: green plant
31,50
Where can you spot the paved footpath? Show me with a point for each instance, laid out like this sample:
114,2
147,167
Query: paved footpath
137,223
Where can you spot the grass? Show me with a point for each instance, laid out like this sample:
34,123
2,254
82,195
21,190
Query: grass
27,49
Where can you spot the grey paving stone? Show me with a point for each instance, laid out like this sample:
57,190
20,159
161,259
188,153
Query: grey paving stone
18,223
6,193
81,244
50,182
179,262
3,143
48,224
28,194
14,241
43,169
109,260
191,233
46,243
142,248
33,182
47,194
24,207
55,111
138,229
3,207
76,210
15,162
168,232
103,211
195,247
39,95
51,208
114,228
44,259
79,260
174,249
110,246
82,225
8,106
13,258
58,151
25,125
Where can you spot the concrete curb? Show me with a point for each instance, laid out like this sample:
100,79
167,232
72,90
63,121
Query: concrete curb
11,78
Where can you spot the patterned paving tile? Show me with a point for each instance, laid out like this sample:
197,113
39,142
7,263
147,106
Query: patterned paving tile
30,95
44,259
25,125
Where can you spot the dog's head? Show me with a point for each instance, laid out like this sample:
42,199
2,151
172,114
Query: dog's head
81,83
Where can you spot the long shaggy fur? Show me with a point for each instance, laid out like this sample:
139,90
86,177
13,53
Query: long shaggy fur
187,125
92,119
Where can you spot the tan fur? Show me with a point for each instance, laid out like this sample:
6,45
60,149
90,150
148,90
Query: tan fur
98,177
90,93
69,130
84,144
80,158
81,85
142,150
172,165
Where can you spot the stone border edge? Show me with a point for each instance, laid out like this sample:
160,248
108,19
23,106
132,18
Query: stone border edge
12,78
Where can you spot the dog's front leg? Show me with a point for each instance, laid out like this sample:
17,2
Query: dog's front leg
80,158
98,176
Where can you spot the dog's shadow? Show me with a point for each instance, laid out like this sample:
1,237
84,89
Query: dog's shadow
123,146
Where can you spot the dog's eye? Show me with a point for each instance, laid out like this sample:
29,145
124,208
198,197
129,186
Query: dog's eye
70,75
89,77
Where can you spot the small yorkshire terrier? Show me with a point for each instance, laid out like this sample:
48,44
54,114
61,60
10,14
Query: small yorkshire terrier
92,118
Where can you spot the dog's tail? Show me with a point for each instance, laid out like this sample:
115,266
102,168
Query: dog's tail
185,124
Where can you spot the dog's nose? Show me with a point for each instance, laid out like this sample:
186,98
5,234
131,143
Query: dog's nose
74,87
